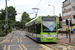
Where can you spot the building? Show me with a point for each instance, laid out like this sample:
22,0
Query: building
68,12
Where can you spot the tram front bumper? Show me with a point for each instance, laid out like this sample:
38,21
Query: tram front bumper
50,39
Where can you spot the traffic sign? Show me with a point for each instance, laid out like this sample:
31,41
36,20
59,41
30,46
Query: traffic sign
74,31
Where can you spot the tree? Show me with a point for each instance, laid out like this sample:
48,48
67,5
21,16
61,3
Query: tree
11,13
11,16
25,18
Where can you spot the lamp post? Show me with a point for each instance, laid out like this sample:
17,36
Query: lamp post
53,8
35,11
6,22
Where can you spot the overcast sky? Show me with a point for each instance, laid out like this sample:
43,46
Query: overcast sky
27,5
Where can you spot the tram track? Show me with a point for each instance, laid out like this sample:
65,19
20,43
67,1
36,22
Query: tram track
21,43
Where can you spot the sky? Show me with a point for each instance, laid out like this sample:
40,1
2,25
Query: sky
27,5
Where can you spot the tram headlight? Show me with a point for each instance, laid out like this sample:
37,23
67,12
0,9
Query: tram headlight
44,36
55,36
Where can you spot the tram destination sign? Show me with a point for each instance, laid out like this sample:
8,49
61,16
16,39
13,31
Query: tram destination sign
48,18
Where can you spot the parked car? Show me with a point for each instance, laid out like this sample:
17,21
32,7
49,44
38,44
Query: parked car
60,29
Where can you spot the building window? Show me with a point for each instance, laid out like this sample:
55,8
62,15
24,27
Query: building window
65,8
69,19
64,20
68,13
74,8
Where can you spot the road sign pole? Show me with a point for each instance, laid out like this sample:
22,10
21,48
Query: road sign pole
66,33
6,16
69,36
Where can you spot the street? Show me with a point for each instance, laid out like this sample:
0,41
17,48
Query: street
19,41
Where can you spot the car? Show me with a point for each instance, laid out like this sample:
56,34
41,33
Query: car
60,29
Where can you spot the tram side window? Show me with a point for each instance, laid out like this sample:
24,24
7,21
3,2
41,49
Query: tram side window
37,28
29,28
32,28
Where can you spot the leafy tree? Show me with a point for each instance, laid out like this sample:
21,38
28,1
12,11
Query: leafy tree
11,13
11,16
25,18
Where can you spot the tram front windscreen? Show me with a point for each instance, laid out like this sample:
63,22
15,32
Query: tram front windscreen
49,24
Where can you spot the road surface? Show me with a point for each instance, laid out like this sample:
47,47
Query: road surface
19,41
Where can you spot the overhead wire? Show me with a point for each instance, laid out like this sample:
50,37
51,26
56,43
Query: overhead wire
38,3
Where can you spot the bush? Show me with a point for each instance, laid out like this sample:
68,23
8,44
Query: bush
2,34
8,31
3,31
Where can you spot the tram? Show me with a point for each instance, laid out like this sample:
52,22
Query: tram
42,29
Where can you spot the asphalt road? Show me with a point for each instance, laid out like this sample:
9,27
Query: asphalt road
18,41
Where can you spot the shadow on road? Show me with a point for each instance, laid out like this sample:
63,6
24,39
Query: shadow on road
42,42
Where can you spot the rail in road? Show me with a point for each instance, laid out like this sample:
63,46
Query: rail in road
18,41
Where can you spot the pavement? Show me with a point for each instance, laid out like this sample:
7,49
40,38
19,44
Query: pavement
62,38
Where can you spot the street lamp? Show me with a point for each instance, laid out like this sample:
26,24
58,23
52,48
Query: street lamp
53,8
35,11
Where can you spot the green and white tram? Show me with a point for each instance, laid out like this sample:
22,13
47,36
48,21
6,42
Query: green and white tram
42,29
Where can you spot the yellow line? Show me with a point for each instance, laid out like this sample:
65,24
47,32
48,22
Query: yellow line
6,39
24,47
62,46
18,40
9,47
43,47
11,40
52,47
67,44
21,39
5,47
20,47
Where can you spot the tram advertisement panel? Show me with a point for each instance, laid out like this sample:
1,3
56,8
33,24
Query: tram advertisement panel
49,24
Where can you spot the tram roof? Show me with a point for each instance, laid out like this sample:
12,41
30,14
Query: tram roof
37,18
33,20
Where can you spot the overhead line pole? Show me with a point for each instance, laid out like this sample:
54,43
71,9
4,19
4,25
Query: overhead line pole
6,22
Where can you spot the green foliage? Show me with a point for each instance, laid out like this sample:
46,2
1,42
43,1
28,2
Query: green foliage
24,19
3,33
11,13
11,19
